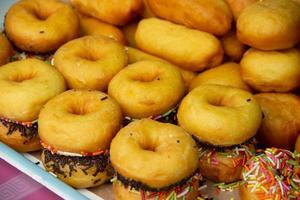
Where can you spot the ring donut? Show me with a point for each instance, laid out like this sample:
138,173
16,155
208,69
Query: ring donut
41,26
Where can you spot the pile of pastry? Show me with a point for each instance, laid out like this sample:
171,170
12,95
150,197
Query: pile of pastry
156,96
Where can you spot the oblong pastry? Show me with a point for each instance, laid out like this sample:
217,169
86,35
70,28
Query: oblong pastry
90,62
93,26
41,26
136,55
270,25
6,50
220,115
144,142
76,128
237,7
233,48
281,122
162,38
110,11
25,87
227,74
210,16
147,88
272,174
271,71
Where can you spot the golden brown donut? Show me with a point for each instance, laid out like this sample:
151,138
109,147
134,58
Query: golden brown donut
210,16
25,87
136,55
162,38
86,122
271,71
297,145
233,48
90,62
214,114
224,164
129,33
227,74
144,142
110,11
270,25
238,6
41,26
147,88
6,50
272,174
281,122
93,26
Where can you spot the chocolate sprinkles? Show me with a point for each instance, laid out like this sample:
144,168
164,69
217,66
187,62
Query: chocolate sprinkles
57,162
132,184
29,132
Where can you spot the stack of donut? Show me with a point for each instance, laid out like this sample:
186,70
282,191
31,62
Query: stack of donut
160,94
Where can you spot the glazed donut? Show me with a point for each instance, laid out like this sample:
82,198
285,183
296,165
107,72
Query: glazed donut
90,62
271,71
112,11
281,122
220,115
209,16
227,74
93,26
224,164
233,48
272,174
147,88
41,26
144,142
25,87
270,25
77,126
163,39
136,55
6,50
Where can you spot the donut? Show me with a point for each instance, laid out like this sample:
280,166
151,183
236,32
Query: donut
224,164
233,48
281,122
237,7
6,50
297,145
136,55
271,71
220,115
41,27
270,25
163,39
25,87
76,128
144,142
112,12
227,74
272,174
209,16
147,88
93,26
129,33
90,62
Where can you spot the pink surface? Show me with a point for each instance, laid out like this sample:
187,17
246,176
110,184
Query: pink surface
15,185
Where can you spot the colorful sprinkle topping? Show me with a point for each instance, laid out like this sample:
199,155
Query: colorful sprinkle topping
273,174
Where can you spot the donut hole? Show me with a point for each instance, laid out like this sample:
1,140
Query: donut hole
80,109
220,102
19,78
146,77
42,16
148,146
89,57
